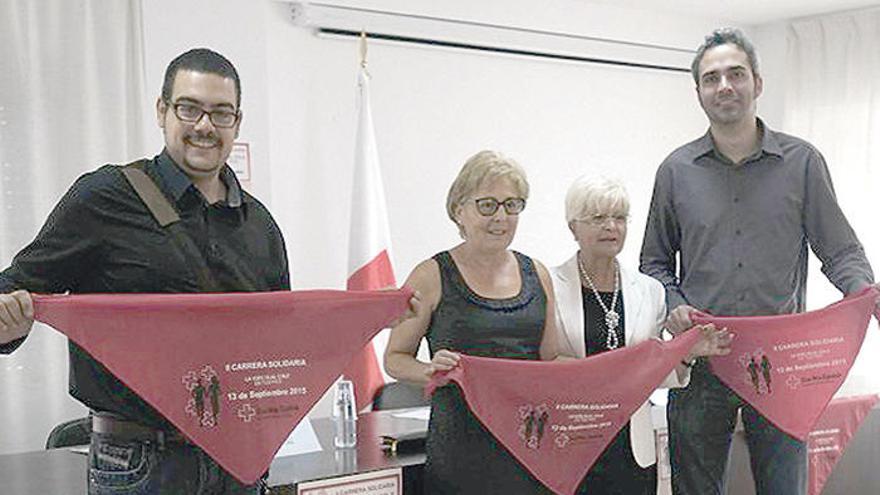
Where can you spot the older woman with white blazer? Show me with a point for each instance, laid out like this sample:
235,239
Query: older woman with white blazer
603,306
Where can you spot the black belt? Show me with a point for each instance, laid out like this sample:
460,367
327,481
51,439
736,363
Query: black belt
126,430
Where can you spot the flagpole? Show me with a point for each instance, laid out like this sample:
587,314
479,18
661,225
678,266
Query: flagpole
363,46
369,237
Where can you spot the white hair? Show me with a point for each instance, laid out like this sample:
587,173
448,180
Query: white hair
589,195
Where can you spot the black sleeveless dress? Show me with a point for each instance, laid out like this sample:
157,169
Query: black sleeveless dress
462,456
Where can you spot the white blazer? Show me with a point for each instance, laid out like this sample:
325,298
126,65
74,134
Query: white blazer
644,308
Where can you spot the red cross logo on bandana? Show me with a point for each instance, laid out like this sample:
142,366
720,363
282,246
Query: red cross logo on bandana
246,413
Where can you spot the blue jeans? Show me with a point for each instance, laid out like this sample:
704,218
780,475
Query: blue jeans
701,420
136,467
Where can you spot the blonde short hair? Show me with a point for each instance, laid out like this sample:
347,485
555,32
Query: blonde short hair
480,168
589,195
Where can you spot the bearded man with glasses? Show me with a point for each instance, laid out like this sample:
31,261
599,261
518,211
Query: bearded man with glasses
179,222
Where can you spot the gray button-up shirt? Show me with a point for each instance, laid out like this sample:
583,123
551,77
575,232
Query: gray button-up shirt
732,239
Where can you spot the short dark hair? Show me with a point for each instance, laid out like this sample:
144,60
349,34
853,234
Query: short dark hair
205,61
724,36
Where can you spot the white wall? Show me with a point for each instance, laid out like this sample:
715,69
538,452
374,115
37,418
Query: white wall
237,30
435,107
769,40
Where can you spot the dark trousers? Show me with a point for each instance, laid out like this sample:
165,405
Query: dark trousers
701,420
119,466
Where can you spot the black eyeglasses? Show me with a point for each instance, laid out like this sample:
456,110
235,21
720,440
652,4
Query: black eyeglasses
488,206
189,113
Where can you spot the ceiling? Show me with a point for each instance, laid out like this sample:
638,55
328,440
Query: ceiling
747,12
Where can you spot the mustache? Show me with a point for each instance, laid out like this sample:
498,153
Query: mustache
208,136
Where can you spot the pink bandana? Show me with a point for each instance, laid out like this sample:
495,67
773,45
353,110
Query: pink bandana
556,418
778,361
234,373
837,425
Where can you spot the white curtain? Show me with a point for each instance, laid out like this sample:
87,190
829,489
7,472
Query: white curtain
71,93
833,101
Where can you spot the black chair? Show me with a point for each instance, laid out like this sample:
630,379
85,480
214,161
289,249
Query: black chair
399,395
74,432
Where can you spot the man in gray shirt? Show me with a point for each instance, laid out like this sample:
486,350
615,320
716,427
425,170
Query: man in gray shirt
739,207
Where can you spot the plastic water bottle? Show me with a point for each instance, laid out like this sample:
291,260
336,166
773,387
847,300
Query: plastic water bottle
346,461
345,415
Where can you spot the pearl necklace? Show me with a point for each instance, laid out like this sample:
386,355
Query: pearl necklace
612,319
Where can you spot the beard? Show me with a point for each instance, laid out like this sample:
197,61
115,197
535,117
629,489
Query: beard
729,111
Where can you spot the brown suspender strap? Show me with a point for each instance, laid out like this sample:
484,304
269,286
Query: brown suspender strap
168,219
150,194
